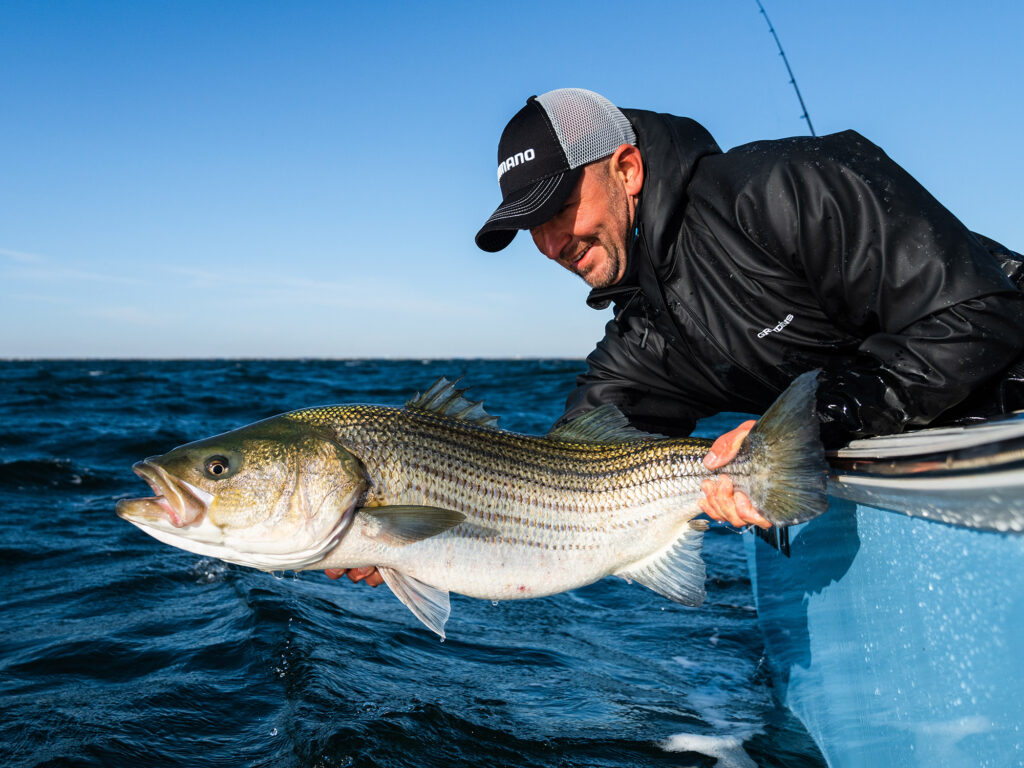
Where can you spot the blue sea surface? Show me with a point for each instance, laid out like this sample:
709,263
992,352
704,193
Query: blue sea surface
117,650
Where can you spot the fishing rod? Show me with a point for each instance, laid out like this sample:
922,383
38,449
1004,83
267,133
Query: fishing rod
792,78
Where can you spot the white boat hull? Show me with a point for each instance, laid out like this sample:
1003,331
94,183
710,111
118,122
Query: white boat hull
898,639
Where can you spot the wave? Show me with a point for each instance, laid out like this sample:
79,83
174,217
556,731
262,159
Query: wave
51,473
118,650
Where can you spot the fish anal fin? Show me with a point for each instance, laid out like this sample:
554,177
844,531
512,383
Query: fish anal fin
676,572
604,424
403,524
429,604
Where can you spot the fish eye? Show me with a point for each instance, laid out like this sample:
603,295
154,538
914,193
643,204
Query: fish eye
217,466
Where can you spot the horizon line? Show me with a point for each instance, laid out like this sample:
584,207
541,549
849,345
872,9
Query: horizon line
298,358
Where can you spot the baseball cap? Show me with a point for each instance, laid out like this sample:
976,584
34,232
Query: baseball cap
541,156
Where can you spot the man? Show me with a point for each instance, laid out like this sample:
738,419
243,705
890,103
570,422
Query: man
732,273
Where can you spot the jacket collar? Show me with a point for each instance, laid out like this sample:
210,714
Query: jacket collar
671,148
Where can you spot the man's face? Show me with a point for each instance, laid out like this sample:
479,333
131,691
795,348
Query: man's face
588,236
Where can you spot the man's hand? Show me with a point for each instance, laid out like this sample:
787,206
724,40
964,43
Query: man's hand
369,574
721,501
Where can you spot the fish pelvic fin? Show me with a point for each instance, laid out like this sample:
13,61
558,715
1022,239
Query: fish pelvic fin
676,572
429,604
403,524
788,469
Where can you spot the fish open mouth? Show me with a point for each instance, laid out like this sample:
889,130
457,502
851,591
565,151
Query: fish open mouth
176,501
176,515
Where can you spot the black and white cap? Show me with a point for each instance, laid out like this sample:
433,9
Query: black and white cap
541,155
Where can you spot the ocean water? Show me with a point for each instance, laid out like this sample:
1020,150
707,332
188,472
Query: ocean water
117,650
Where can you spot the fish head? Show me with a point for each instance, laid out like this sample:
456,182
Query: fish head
275,495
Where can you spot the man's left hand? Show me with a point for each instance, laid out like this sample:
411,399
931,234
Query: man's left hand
721,501
369,574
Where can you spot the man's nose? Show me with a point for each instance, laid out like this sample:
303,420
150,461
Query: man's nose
549,239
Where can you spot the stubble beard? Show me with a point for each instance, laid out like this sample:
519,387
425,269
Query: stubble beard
607,272
612,268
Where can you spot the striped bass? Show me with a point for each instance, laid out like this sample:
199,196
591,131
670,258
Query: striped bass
441,500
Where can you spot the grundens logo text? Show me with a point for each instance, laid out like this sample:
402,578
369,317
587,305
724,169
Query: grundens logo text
777,328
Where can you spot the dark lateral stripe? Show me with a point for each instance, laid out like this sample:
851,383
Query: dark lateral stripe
557,514
539,458
484,491
424,442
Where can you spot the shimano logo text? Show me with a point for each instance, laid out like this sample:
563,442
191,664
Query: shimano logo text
516,159
777,328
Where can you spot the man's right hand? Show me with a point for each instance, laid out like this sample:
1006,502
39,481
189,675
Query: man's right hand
369,574
721,501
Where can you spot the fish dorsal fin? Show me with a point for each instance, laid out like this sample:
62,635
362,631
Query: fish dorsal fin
676,572
444,399
404,524
604,424
429,604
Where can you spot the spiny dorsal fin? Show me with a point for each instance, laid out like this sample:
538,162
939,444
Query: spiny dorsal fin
445,400
604,424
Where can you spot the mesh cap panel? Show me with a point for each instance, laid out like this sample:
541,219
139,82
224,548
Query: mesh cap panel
588,126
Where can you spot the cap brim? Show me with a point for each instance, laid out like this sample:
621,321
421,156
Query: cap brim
525,209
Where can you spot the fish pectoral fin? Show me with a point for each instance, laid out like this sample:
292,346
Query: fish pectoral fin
406,523
429,604
677,572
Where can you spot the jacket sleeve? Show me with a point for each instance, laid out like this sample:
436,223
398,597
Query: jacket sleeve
627,369
908,379
889,264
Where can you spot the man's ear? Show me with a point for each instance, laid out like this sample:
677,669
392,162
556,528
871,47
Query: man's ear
627,164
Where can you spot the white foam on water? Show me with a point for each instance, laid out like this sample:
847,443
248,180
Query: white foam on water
208,570
731,708
727,750
685,662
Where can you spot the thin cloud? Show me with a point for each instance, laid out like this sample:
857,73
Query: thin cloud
34,267
124,314
280,289
58,273
21,257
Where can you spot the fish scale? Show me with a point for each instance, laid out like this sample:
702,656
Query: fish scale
482,471
506,455
441,501
577,504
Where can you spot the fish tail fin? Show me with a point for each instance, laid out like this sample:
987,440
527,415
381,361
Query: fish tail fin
787,460
677,571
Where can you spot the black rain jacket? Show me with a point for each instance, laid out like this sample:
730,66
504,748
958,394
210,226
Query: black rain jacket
751,266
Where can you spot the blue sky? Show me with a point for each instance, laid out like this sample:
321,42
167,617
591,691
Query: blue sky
255,179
